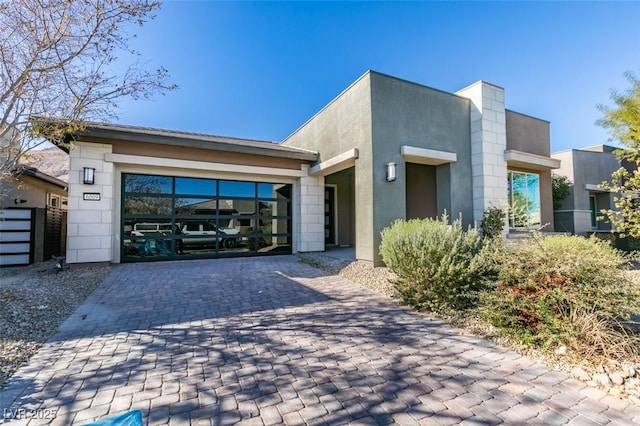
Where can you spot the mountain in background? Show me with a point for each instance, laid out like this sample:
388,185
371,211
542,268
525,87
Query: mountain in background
52,161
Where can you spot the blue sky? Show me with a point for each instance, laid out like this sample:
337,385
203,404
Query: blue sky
261,69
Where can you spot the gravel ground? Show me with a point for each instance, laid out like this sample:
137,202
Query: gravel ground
618,378
34,301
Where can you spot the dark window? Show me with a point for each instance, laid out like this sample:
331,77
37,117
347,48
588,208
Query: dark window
181,217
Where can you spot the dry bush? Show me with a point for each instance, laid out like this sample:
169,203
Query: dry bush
595,336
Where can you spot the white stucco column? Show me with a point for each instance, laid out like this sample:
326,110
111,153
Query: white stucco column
90,217
488,143
309,221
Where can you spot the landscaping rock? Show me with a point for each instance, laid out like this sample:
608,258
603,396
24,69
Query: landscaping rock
34,300
616,378
580,374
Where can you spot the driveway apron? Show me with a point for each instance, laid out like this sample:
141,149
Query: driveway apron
274,341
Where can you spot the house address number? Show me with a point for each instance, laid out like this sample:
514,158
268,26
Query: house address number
91,196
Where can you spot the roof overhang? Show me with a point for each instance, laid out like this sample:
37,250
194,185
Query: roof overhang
429,157
37,174
530,161
106,132
335,164
594,188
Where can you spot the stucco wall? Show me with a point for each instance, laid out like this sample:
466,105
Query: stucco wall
405,113
591,167
343,124
196,154
527,134
378,114
28,188
34,194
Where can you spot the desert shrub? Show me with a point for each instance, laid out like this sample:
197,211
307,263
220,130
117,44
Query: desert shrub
437,263
593,335
492,222
558,289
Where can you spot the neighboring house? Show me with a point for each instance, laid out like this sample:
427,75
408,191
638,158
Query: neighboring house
384,149
586,168
33,224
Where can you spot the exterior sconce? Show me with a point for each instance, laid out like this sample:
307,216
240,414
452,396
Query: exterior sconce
89,176
391,172
19,200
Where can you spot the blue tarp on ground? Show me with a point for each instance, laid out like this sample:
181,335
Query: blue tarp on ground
132,418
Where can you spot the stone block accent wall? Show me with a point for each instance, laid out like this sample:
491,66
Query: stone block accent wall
488,143
309,226
90,223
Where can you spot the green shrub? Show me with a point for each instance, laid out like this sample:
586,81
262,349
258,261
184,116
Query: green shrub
560,189
549,287
438,264
492,222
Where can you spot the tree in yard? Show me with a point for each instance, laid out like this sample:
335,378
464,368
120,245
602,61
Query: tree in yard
623,122
560,188
57,61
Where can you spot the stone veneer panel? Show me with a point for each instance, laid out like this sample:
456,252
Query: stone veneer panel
309,226
91,230
488,143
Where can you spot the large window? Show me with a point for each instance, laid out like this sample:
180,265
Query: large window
166,217
524,200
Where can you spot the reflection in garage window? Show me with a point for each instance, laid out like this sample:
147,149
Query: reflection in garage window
169,218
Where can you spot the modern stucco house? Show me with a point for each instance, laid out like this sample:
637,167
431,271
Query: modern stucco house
384,149
586,168
460,152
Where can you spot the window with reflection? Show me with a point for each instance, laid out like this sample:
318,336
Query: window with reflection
233,188
135,204
166,217
195,186
197,206
524,200
148,184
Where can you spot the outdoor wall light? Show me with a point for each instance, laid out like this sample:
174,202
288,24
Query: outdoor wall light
19,200
391,172
89,175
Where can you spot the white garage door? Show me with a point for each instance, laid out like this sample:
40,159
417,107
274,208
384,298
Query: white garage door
16,236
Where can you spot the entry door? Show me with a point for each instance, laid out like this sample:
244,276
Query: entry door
329,215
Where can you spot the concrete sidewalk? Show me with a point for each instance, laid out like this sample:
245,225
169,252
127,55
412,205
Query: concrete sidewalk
274,341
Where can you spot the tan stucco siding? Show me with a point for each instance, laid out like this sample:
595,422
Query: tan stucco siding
34,191
197,154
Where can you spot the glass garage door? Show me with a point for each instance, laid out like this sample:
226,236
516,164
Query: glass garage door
165,217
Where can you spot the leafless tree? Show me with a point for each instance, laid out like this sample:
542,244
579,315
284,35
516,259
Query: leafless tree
57,62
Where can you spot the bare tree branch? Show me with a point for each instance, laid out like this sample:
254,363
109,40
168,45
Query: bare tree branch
54,62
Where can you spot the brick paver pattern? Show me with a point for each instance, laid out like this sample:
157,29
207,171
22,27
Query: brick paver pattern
269,341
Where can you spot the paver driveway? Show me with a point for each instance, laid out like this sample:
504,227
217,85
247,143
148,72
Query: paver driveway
272,341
